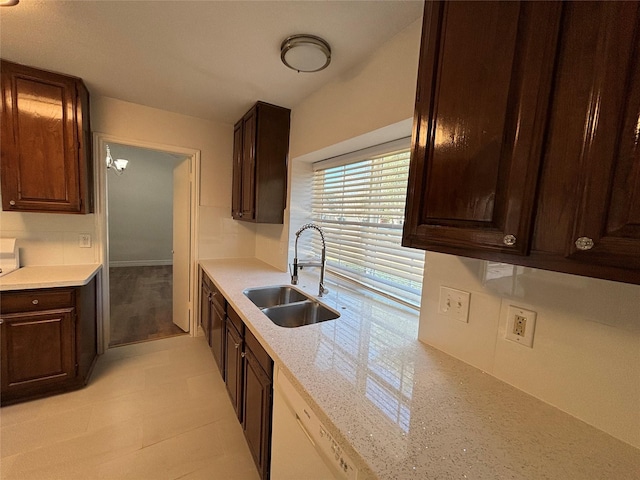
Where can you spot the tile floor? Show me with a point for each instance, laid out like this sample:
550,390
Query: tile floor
154,410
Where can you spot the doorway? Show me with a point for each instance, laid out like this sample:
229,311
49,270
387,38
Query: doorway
147,204
145,218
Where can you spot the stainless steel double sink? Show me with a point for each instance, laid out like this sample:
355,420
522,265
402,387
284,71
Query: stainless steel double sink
288,307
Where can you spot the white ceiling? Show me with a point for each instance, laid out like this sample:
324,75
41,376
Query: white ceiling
208,59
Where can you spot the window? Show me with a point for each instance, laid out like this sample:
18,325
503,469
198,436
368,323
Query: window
359,200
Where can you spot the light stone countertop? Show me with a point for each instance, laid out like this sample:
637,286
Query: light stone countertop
49,276
404,410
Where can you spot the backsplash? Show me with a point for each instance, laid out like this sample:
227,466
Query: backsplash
50,239
585,358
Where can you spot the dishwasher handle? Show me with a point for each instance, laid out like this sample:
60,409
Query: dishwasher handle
305,430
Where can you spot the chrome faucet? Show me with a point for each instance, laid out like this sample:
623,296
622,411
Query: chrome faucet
294,275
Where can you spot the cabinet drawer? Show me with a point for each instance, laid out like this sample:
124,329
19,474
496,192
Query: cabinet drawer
236,320
258,352
32,300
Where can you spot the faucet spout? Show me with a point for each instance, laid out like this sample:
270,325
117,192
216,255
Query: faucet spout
294,275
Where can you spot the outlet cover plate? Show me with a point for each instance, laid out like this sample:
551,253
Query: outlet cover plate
521,325
454,303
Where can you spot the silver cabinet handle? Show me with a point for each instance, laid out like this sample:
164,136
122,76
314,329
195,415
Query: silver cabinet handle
35,302
242,354
240,214
584,243
237,345
509,240
12,202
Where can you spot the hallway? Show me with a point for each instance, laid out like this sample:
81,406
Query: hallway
141,300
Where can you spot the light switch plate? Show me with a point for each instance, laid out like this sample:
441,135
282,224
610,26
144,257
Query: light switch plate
84,240
454,303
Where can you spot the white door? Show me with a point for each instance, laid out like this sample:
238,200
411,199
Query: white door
181,243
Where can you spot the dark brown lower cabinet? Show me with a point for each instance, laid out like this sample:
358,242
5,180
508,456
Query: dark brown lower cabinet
205,307
257,406
217,333
234,348
247,370
47,340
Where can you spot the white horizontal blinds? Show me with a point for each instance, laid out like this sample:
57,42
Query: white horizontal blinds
360,206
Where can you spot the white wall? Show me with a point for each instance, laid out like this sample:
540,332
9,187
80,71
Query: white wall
377,93
141,207
586,355
219,235
49,238
585,358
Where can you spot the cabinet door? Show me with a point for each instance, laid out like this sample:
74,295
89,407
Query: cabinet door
236,195
205,310
233,366
38,352
257,407
217,334
249,165
44,150
607,225
483,92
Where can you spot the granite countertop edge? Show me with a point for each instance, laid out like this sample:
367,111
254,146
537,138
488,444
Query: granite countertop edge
49,276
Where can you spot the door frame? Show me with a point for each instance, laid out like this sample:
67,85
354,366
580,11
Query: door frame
102,226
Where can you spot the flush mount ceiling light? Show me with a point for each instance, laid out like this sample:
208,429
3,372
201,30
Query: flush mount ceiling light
118,165
305,53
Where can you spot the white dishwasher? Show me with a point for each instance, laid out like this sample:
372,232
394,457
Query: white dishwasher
301,448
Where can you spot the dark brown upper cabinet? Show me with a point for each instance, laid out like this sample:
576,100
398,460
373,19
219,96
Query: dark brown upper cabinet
526,144
481,108
46,142
590,195
260,151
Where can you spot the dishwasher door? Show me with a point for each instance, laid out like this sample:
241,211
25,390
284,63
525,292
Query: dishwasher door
301,447
293,456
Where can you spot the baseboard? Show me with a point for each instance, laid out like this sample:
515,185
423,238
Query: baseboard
140,263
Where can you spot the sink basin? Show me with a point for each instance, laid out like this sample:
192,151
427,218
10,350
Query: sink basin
299,314
289,307
265,297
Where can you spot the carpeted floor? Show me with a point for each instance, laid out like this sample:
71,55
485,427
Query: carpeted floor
141,304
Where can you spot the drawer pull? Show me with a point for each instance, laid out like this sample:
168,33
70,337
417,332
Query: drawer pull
237,345
35,302
584,243
242,354
509,240
12,203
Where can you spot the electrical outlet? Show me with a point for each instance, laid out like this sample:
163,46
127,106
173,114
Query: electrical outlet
454,303
84,240
521,325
